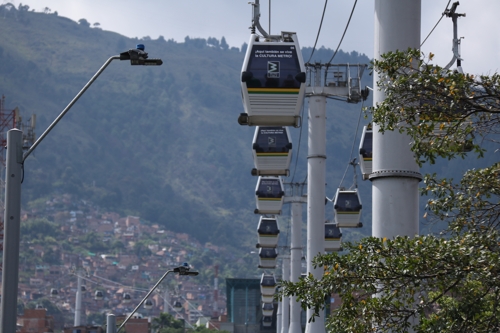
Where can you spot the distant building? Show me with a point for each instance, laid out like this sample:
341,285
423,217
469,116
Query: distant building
36,321
134,325
84,329
244,307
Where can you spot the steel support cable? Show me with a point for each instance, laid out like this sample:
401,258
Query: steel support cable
345,30
353,143
319,30
436,23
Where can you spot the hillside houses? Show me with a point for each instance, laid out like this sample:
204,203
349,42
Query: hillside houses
140,256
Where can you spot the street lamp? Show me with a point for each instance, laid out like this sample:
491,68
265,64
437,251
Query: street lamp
181,270
13,177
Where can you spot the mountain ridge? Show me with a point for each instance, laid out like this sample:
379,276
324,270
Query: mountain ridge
162,143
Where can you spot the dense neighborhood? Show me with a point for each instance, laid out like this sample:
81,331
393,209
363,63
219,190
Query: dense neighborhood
123,276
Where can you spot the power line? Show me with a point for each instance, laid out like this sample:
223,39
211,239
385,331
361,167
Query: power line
345,30
319,30
436,23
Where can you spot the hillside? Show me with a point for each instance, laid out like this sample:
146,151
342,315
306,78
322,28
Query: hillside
162,143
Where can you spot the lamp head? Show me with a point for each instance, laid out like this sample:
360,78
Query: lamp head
184,270
138,56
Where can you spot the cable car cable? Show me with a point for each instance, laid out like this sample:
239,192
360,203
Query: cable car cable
444,13
269,16
353,142
345,30
319,30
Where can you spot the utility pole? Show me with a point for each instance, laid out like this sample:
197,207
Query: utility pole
316,169
285,303
395,174
78,301
296,199
279,317
324,80
12,218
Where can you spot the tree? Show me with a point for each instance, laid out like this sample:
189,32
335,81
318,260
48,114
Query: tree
84,22
213,42
23,8
244,48
166,323
223,44
427,283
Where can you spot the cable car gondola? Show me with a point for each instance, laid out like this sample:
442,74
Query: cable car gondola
267,309
442,109
126,298
267,257
269,194
98,295
272,151
267,284
177,306
366,151
267,287
267,321
444,120
54,292
148,304
333,236
268,232
347,207
273,81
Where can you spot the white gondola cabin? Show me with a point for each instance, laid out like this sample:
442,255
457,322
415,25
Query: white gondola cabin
148,304
268,231
347,207
267,309
444,123
333,237
267,257
127,298
273,81
98,295
366,152
267,321
272,151
177,306
269,195
54,292
267,284
443,112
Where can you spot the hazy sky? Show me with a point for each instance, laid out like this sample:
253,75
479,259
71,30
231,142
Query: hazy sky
232,18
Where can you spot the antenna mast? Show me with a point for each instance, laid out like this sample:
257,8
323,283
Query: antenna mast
456,41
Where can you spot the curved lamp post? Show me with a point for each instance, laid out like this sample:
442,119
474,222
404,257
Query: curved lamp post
181,270
13,177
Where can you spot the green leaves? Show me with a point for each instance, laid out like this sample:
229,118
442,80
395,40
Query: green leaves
392,284
426,283
445,112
